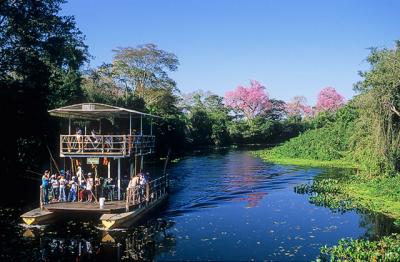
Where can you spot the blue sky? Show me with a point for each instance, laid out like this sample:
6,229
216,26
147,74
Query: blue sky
291,47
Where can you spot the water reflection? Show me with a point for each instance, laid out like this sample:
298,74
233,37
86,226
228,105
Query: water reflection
228,206
142,243
377,225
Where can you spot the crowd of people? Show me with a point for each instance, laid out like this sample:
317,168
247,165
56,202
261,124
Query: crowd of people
65,187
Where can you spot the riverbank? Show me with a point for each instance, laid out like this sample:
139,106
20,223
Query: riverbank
375,194
269,156
357,190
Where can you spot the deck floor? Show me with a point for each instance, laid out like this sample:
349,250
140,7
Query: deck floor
84,207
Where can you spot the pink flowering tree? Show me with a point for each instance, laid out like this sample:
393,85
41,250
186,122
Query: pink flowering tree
298,107
248,101
329,100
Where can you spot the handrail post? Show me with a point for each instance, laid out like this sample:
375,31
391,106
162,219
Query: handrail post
134,195
102,143
41,197
147,192
127,196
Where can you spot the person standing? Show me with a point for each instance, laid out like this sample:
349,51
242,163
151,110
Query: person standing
62,183
55,188
45,186
142,185
79,139
89,187
73,190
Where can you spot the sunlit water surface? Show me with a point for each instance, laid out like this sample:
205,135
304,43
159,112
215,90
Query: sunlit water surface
222,206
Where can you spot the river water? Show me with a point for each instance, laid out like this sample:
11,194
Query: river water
225,205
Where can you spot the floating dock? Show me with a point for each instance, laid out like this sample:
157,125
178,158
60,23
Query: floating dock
111,221
37,216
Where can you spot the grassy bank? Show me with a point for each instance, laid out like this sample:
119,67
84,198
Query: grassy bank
375,194
270,156
357,190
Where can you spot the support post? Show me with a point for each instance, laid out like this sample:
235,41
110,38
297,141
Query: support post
100,126
141,162
69,126
119,178
151,126
41,198
131,170
130,124
109,169
147,191
141,125
127,200
137,165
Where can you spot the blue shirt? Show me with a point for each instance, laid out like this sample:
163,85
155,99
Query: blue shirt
45,181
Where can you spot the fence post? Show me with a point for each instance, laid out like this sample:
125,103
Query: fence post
127,197
147,192
41,198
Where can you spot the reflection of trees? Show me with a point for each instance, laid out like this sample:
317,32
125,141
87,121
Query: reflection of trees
141,243
377,225
67,249
253,198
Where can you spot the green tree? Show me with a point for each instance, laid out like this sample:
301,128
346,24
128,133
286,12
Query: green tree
379,105
143,67
41,54
207,118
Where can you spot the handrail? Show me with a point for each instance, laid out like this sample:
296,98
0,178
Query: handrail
124,145
154,190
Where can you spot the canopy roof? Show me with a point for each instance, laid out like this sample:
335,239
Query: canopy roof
95,111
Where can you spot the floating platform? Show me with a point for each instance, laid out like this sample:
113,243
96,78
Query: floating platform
37,216
112,215
111,221
87,207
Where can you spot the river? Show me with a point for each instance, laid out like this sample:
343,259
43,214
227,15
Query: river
223,205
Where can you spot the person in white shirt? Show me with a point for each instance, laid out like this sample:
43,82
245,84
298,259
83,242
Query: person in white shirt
62,183
89,187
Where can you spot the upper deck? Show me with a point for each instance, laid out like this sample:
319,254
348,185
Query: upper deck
106,145
100,145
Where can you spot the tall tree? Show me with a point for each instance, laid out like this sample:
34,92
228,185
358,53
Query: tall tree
329,100
143,67
298,108
249,101
379,105
207,118
40,57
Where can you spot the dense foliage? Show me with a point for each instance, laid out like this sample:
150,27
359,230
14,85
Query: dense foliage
386,249
330,141
41,54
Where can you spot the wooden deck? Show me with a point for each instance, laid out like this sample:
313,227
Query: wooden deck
84,207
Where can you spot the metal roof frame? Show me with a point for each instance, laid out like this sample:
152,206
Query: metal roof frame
95,111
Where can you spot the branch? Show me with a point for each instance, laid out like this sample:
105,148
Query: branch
394,110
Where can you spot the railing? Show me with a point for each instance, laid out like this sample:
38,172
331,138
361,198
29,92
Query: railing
134,196
147,193
123,145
